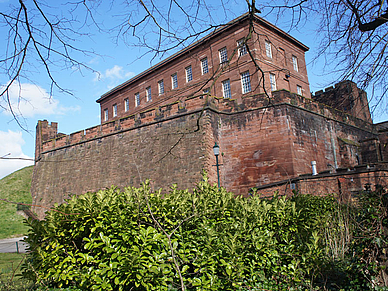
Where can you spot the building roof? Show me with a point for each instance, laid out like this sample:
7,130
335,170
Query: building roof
189,48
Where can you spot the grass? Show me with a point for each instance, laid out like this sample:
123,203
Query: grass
10,273
15,187
10,279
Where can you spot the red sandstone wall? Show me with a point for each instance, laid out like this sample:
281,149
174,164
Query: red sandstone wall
168,152
261,140
256,147
267,145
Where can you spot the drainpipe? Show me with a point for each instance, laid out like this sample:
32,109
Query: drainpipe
333,146
314,167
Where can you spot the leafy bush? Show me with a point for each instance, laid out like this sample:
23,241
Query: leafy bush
207,239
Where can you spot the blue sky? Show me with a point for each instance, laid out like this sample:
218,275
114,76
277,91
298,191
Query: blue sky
115,63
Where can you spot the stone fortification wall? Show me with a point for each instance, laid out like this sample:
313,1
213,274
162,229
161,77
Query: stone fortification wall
269,144
167,152
196,103
262,141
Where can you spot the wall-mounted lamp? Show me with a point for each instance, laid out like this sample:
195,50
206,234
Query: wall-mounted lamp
216,151
288,74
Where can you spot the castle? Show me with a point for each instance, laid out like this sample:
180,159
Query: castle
244,87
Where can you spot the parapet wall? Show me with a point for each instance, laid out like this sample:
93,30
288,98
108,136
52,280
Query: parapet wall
346,183
166,152
49,142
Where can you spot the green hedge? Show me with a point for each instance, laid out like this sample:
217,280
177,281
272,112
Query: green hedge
206,239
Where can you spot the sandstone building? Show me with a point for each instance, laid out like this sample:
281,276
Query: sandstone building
244,86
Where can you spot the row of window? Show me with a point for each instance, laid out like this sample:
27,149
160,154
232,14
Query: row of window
246,85
226,89
268,52
223,55
242,50
174,85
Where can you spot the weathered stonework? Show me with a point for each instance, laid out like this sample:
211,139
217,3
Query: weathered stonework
261,143
279,142
170,151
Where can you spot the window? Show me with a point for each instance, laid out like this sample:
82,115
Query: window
126,104
174,81
268,49
223,55
295,63
272,80
283,55
226,89
106,114
189,74
205,68
242,48
148,94
137,99
114,110
245,82
299,90
161,87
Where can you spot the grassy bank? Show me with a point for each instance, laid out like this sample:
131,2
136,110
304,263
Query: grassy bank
10,272
15,187
10,279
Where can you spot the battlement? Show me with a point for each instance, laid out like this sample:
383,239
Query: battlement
44,131
347,97
51,140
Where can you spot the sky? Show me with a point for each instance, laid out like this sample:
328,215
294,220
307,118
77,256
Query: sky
113,63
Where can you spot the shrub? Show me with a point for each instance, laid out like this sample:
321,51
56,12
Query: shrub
206,239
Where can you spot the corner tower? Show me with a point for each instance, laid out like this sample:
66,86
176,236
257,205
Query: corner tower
44,132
